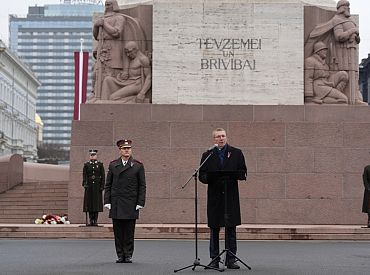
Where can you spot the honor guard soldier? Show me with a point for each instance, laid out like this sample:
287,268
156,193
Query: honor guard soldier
124,195
93,182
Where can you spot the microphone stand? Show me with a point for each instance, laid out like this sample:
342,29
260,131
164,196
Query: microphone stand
226,251
196,262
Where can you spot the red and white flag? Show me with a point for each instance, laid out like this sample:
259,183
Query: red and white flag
81,69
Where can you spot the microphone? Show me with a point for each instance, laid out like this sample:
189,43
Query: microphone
212,147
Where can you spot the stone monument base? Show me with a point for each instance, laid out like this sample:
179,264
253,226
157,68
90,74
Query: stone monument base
305,163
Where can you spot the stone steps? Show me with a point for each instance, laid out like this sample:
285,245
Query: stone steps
46,195
33,197
34,207
44,183
26,203
27,189
9,213
30,200
26,220
186,231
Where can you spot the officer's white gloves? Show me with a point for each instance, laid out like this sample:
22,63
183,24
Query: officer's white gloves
108,205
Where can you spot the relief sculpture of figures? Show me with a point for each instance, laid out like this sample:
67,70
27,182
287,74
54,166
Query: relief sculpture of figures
134,87
321,86
341,36
121,71
108,31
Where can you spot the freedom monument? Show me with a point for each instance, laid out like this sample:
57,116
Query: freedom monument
281,78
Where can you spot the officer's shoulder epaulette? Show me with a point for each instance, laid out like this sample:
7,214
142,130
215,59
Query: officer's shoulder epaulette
115,161
138,161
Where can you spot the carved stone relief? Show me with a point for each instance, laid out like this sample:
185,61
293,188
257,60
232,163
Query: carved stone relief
331,59
122,52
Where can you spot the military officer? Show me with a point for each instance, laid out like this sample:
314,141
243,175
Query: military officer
93,182
124,195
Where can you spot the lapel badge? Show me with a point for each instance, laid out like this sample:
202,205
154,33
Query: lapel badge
228,154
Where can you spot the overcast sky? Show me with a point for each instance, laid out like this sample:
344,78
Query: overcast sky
20,7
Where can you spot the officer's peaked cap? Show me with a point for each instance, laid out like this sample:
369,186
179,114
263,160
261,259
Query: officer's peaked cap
124,143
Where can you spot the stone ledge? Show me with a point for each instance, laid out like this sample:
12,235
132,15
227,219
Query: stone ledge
186,231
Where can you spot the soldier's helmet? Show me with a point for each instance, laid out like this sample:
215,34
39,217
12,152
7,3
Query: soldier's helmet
319,46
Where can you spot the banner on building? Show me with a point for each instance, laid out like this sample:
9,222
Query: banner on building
81,71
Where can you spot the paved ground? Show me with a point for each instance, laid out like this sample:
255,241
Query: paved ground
163,256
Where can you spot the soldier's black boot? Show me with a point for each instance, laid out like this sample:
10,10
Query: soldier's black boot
96,218
91,217
368,220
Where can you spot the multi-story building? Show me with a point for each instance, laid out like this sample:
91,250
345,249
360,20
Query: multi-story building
46,40
18,90
365,78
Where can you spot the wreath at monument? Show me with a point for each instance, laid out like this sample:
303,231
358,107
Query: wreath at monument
53,219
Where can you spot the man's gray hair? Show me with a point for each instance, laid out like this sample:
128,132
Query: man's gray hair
218,130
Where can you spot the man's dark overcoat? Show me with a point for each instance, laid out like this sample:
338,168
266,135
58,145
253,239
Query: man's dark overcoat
93,179
233,161
366,179
125,188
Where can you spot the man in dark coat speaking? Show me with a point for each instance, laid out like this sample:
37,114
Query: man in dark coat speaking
366,200
124,195
93,180
224,158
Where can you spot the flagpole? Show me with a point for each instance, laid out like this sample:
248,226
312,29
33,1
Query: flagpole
80,76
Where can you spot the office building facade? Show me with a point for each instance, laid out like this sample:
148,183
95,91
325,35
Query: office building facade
46,40
18,88
364,80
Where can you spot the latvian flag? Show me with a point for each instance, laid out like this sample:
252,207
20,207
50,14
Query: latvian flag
81,69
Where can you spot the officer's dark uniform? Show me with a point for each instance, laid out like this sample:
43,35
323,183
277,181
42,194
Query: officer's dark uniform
125,190
93,182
